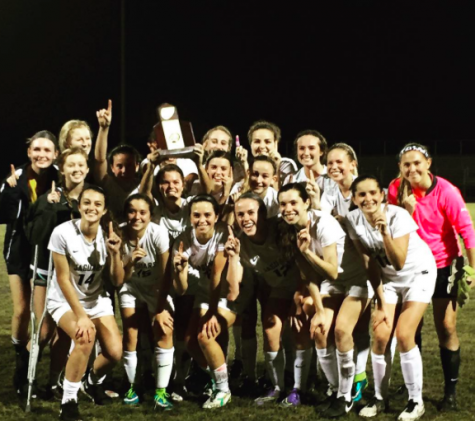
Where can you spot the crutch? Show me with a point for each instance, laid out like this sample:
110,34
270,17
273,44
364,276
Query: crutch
36,330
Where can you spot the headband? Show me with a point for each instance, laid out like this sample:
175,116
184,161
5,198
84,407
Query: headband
420,149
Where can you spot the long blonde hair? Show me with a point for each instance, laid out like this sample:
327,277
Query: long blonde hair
68,127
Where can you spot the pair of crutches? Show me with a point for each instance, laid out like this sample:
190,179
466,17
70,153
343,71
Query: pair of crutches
36,328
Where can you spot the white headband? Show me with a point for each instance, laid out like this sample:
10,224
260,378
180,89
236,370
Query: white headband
420,149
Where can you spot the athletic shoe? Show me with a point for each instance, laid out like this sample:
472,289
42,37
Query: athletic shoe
162,400
178,393
69,411
412,412
209,388
338,408
271,396
330,397
236,369
358,388
373,408
95,392
217,400
292,400
448,403
131,397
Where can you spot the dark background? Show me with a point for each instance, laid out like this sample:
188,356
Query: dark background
374,74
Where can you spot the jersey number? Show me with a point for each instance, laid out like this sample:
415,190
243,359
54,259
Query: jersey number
87,281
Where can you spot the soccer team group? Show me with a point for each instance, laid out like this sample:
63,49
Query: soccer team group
337,263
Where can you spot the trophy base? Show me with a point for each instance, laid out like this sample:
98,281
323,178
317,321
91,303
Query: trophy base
186,152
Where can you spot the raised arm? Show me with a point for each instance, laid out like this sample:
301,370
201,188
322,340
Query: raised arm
116,267
104,118
235,270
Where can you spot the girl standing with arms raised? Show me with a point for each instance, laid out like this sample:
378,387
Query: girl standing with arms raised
441,214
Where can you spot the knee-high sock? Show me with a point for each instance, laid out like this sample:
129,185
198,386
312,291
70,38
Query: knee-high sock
275,368
382,365
328,362
130,365
237,332
249,357
164,363
362,347
411,367
70,391
302,368
182,362
393,347
346,373
450,365
220,377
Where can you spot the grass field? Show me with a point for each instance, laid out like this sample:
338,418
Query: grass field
12,409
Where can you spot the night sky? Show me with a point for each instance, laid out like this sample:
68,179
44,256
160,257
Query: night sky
360,71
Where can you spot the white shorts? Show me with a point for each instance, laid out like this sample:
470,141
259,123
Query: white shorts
420,289
100,307
132,297
360,288
237,306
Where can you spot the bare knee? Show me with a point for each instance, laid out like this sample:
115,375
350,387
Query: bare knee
342,336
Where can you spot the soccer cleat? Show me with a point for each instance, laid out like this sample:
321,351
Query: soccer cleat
358,388
69,411
412,412
217,400
271,396
338,408
236,369
162,400
448,403
95,392
330,397
131,397
292,400
373,407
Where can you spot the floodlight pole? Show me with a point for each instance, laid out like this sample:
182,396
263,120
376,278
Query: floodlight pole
122,71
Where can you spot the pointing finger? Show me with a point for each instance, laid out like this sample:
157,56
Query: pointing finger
111,229
12,168
231,233
109,106
237,141
386,206
180,247
53,186
312,176
291,178
308,225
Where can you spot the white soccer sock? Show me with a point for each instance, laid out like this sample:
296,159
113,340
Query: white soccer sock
328,362
362,346
130,365
164,360
220,377
393,348
249,357
411,367
70,391
237,331
346,371
181,366
382,365
275,368
301,368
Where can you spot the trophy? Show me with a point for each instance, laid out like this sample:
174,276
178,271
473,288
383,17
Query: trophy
175,138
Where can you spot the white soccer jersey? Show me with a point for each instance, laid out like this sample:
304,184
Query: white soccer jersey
86,261
174,223
419,257
267,259
323,181
201,256
287,167
145,276
332,201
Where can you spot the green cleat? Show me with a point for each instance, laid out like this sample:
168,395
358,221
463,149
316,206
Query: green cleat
131,397
162,400
358,388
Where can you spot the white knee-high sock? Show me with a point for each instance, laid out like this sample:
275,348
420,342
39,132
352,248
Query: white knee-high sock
328,362
346,373
237,331
411,367
362,346
249,357
164,360
393,348
220,377
70,391
275,368
382,365
130,365
301,368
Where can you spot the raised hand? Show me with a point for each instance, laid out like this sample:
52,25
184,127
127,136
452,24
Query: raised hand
154,157
11,181
276,156
241,155
233,246
138,253
304,238
104,116
54,196
408,200
379,220
113,241
180,261
313,191
198,154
